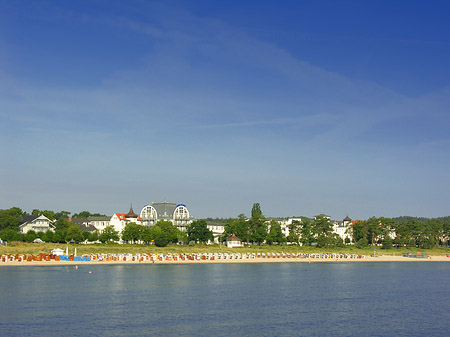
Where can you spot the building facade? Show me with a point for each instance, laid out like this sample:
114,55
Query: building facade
178,214
119,220
36,223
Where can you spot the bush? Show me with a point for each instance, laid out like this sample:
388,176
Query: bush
362,243
10,235
387,242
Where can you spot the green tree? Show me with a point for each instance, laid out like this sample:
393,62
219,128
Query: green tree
307,233
182,237
239,227
360,230
48,214
60,235
434,231
362,243
9,234
275,233
198,231
109,234
374,230
159,236
48,236
258,226
93,236
30,236
86,214
294,231
86,235
132,232
322,229
170,231
163,233
387,242
74,233
256,211
62,215
62,223
10,218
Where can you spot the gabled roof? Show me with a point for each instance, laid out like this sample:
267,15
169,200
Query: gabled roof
233,238
30,218
89,228
124,217
120,216
78,221
99,218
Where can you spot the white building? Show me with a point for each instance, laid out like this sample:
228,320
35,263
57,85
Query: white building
99,222
343,228
234,242
120,220
217,230
178,214
36,223
285,223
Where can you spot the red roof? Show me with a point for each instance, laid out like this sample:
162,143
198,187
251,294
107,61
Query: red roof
124,216
233,238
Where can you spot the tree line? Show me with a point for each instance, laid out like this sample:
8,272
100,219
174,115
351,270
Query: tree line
258,230
385,232
162,234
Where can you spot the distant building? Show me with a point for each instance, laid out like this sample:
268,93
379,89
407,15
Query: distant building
178,214
217,230
58,251
234,242
99,223
343,228
120,220
285,223
92,223
37,223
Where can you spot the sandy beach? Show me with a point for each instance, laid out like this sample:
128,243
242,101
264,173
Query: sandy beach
381,258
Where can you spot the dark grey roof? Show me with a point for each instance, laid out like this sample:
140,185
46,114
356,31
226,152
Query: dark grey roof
29,218
79,221
89,228
99,218
164,209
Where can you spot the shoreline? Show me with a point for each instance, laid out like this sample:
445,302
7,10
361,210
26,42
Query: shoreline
370,259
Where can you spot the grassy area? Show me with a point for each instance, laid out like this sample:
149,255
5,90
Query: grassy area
36,248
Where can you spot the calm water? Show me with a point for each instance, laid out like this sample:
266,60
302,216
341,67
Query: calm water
278,299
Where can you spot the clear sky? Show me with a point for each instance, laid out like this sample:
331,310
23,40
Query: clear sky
307,107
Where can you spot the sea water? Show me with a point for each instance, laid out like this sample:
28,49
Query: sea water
269,299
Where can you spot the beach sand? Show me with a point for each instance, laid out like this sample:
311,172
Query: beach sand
381,258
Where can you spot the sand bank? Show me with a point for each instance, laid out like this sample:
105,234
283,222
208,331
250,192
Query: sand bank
381,258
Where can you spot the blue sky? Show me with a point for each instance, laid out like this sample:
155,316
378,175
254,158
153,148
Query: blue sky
306,107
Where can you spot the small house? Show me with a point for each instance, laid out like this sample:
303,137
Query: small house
233,241
36,223
58,251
